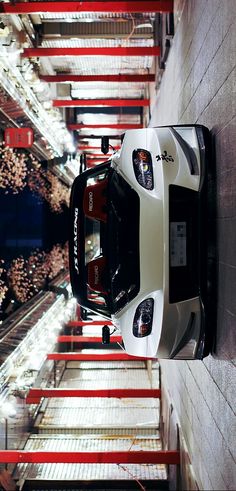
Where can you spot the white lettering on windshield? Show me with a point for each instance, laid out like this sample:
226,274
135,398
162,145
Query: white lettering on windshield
96,275
76,263
90,201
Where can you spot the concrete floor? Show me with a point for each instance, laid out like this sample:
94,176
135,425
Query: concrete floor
199,86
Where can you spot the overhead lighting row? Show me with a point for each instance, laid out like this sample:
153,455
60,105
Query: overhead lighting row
42,115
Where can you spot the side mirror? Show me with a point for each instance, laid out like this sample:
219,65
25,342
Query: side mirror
106,335
105,144
84,314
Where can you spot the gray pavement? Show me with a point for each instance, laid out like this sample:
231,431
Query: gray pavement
199,86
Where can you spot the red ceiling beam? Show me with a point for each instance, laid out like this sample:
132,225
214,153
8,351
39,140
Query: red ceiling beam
91,147
89,323
86,339
108,51
97,160
86,6
125,457
84,138
88,147
36,393
99,78
118,126
93,356
91,155
100,102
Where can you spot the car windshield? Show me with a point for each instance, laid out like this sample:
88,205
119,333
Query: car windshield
107,230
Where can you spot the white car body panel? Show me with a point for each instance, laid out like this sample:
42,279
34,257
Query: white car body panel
154,239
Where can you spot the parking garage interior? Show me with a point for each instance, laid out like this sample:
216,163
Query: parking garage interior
74,412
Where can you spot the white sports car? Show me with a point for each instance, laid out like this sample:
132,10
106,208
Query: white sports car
138,247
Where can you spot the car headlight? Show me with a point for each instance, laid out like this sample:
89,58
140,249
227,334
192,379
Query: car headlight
142,325
142,163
